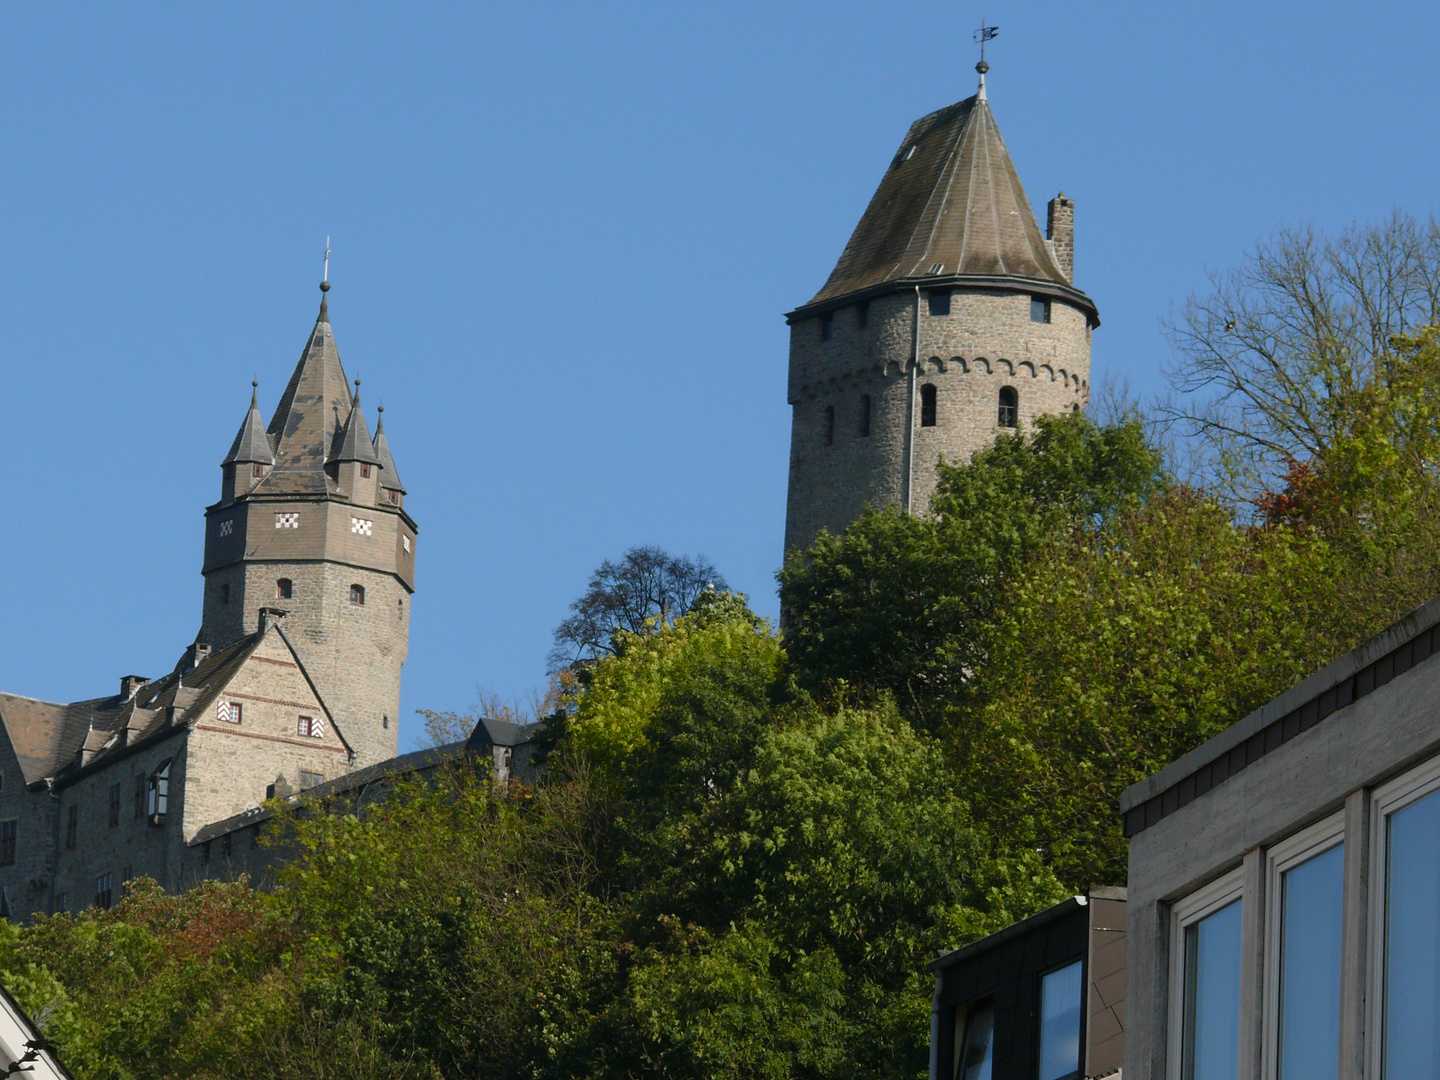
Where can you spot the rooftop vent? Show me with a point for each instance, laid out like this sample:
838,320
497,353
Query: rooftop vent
937,268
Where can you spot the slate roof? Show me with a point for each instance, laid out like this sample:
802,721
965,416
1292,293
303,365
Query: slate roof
389,477
490,732
950,205
354,443
252,443
55,740
310,418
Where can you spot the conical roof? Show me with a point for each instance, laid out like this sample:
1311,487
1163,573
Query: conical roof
251,443
354,441
389,477
950,205
310,418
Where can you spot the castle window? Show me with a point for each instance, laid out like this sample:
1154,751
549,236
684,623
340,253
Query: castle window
157,794
862,316
405,540
225,845
1039,309
139,795
364,471
72,826
310,779
104,891
1009,407
394,497
257,471
939,301
310,727
114,805
229,712
357,594
8,830
283,588
865,416
825,321
829,424
127,874
224,594
927,405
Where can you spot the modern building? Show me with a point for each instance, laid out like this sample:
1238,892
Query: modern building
293,681
949,319
1043,999
1284,882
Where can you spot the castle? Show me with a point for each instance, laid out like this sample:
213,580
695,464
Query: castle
948,320
292,682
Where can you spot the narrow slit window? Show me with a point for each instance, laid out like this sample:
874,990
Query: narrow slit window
865,416
825,325
1009,407
364,471
283,588
939,302
257,471
927,405
8,830
114,818
862,316
224,594
829,424
139,796
72,827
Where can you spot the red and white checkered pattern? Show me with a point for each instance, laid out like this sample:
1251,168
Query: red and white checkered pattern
361,526
287,521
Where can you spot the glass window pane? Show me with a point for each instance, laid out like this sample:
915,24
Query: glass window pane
1060,994
1212,996
972,1051
1310,927
1411,1043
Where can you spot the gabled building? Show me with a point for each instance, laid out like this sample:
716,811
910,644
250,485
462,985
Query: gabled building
293,680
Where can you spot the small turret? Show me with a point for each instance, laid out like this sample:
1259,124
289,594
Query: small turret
250,458
354,460
392,491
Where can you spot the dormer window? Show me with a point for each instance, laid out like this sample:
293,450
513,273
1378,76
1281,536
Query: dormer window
364,471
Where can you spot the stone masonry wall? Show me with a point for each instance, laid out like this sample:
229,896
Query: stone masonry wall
987,341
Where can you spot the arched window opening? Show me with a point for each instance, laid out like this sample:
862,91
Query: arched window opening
1009,407
927,405
224,594
357,594
865,416
283,588
829,424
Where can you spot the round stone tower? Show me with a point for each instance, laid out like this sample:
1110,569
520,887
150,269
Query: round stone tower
311,522
948,321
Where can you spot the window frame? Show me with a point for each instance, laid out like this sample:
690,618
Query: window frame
157,794
1297,848
865,409
1014,408
1039,1005
113,815
72,826
960,1025
1185,913
357,594
929,409
284,588
1044,302
105,890
9,845
937,303
1386,799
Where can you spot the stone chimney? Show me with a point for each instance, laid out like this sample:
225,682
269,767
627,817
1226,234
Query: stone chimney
1060,231
129,684
270,616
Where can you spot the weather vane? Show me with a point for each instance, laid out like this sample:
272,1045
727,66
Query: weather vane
326,278
984,34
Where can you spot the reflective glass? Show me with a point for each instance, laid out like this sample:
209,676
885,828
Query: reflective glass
972,1057
1310,927
1411,1042
1212,996
1060,994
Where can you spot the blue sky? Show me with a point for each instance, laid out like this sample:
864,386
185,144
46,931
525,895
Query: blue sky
564,238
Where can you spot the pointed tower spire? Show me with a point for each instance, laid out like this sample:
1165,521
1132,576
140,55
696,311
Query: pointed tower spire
354,442
251,445
310,417
389,477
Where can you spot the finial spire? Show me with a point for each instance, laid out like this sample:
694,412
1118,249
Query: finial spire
984,34
254,390
326,278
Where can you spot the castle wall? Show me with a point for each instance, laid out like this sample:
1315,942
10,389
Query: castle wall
987,341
